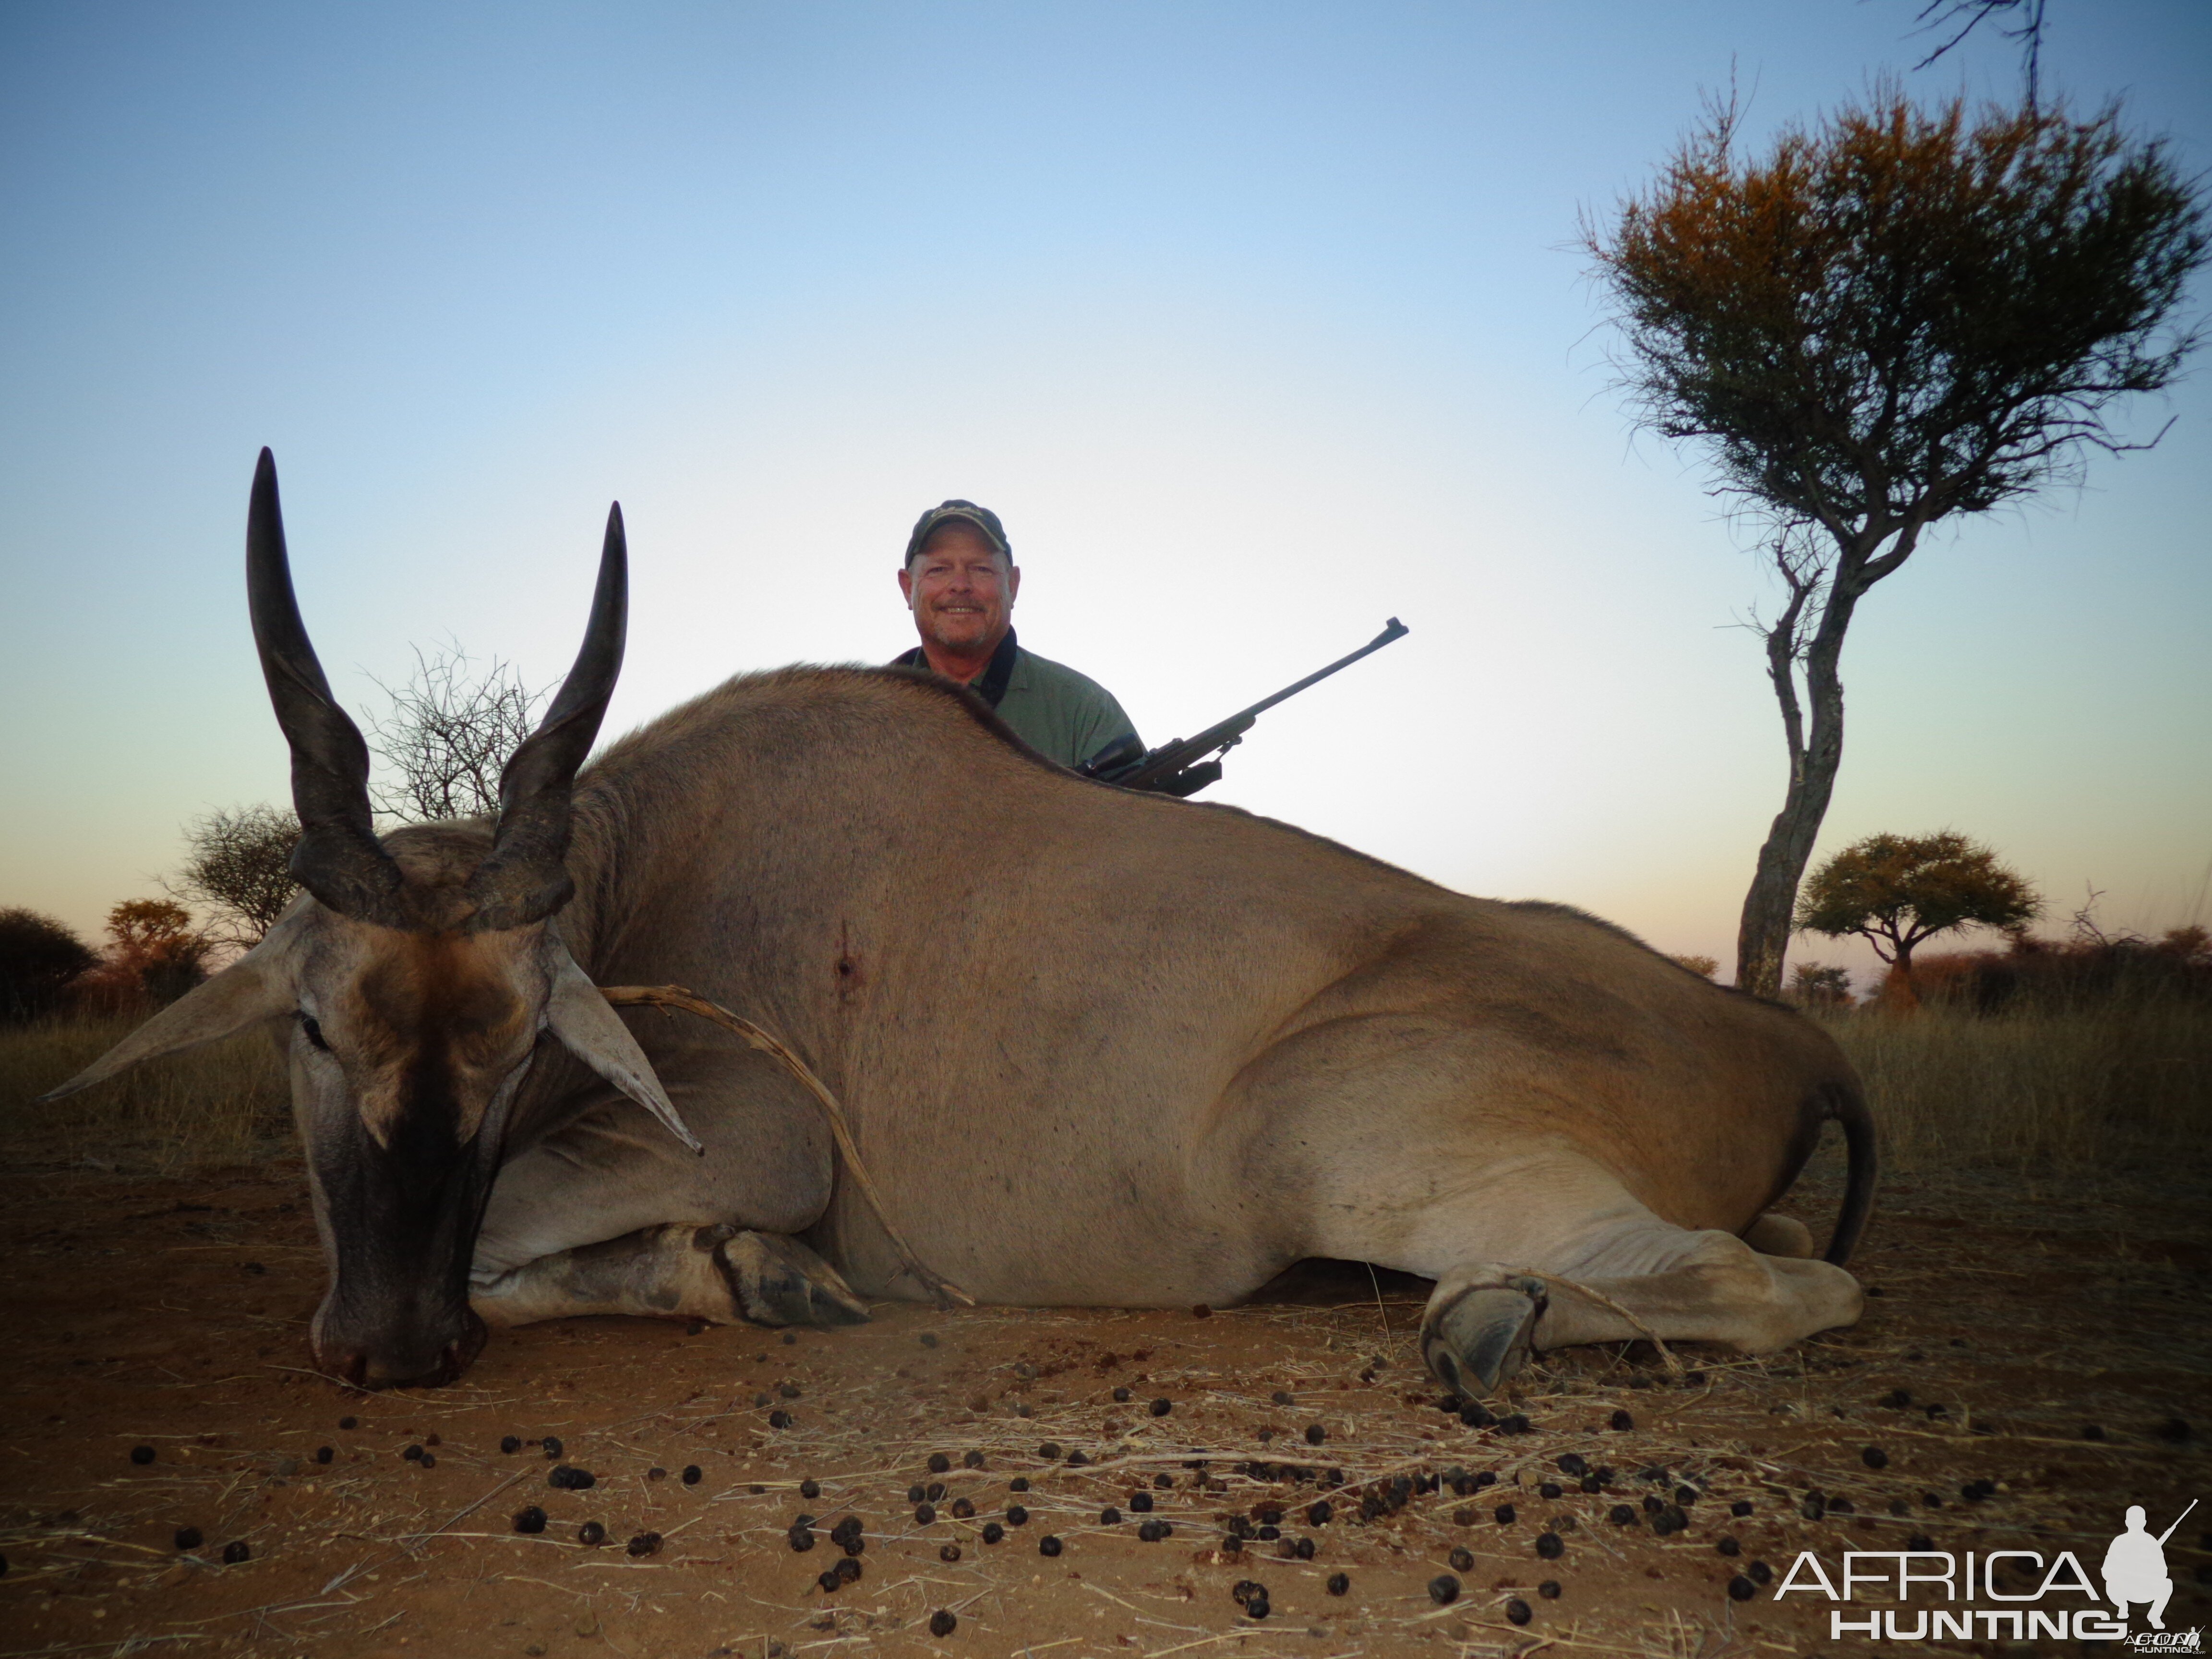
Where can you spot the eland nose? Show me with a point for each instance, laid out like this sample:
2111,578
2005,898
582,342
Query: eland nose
421,1363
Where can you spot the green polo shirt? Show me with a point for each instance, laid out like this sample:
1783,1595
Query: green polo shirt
1065,716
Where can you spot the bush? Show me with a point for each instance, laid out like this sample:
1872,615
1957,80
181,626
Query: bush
39,958
2051,976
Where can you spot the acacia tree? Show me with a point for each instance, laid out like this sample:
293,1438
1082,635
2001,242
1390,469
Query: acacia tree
1898,892
238,869
1891,319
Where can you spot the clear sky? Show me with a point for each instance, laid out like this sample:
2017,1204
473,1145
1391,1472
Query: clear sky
1257,323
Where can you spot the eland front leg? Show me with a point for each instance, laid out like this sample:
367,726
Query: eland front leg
607,1216
721,1273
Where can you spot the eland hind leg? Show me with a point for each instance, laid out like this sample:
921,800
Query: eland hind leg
1453,1155
1510,1233
1643,1280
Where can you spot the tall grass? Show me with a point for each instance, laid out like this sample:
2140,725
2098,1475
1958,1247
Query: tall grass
226,1103
2125,1084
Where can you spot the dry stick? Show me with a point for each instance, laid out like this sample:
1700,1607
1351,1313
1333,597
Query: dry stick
416,1538
943,1290
1674,1366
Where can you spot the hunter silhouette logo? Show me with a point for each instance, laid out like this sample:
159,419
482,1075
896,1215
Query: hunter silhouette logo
2034,1594
2135,1567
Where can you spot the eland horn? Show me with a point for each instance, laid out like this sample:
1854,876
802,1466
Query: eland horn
525,876
338,858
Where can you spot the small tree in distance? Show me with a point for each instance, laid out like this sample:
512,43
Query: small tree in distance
154,954
1817,985
1704,966
238,869
1898,892
1891,319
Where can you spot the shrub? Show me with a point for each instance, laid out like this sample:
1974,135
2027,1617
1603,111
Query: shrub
154,957
2050,975
39,958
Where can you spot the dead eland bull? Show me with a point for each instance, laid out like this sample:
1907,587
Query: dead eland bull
1098,1047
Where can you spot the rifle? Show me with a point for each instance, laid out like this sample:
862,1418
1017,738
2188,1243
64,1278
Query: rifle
2177,1520
1177,768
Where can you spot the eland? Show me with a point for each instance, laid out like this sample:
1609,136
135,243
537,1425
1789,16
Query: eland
1099,1046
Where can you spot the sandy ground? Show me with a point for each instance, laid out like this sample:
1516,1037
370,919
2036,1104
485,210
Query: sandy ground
170,1315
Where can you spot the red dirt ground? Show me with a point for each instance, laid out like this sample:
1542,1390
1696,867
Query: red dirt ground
171,1314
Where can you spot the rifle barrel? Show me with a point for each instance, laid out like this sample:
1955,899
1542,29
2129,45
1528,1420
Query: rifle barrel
1175,756
2177,1520
1393,629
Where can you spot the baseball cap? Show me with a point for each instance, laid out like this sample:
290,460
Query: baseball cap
963,512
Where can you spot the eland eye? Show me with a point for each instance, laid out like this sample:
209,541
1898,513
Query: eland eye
314,1032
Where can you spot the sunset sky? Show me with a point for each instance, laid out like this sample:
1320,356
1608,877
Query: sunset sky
1257,323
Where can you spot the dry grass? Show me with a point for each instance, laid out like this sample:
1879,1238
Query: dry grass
2125,1084
226,1103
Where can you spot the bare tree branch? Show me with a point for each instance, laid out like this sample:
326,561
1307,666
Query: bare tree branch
2027,29
449,733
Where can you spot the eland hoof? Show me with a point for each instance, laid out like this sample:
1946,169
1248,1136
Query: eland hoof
1478,1337
779,1281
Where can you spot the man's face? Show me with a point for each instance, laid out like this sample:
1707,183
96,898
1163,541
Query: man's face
961,590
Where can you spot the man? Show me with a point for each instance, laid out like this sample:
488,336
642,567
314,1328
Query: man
960,581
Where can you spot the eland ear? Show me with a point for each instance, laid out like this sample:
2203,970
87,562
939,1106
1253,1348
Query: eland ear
255,987
589,1029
